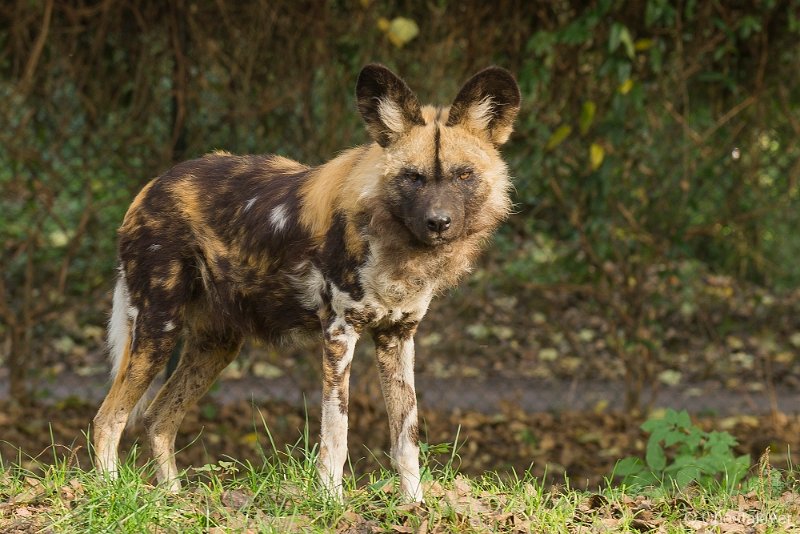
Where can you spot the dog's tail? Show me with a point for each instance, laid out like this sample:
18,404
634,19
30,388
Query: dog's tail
121,328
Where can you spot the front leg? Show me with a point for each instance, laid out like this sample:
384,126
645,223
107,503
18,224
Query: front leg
394,346
338,346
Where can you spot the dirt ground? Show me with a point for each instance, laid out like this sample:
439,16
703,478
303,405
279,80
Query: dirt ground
523,378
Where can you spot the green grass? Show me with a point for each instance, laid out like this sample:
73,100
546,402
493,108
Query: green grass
281,495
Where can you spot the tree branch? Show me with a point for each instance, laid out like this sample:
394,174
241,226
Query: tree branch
38,47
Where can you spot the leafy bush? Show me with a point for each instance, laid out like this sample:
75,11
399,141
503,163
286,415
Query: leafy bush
651,134
679,453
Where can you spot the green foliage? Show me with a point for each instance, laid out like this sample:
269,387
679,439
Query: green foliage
623,154
651,179
679,453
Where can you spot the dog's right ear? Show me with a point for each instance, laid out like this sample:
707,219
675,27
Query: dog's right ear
388,106
487,104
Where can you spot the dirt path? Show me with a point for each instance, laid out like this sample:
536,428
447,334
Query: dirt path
467,394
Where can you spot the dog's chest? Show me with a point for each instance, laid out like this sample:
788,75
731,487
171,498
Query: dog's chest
374,291
386,296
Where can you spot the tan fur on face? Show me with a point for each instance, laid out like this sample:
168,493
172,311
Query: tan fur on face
358,177
459,145
431,114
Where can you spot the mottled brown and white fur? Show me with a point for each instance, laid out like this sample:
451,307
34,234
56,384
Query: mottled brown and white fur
224,247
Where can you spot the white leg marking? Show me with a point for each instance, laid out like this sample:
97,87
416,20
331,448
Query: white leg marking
166,469
333,446
108,461
279,216
406,448
334,440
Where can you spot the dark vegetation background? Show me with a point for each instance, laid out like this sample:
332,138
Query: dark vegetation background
654,249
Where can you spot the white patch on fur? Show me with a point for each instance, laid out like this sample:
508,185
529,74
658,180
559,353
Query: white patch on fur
169,326
406,458
349,337
120,324
391,115
407,355
364,174
249,203
310,285
341,301
154,247
279,216
480,114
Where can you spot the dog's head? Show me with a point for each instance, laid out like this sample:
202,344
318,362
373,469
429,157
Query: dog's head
444,177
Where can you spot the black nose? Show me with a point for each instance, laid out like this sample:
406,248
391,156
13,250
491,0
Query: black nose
438,223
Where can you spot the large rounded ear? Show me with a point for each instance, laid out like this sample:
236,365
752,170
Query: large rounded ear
386,103
487,104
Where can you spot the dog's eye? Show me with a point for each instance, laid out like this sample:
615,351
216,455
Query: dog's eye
415,178
465,175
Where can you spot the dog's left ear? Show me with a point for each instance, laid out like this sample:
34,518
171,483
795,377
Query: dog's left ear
388,106
487,104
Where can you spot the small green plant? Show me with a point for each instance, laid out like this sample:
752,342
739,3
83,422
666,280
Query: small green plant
679,453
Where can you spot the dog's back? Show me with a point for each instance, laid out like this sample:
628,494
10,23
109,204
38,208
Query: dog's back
219,237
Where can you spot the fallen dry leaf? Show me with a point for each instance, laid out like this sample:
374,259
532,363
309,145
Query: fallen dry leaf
71,491
23,511
732,528
738,517
353,523
791,498
236,499
643,526
610,522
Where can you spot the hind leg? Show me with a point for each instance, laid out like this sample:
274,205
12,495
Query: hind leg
139,366
204,357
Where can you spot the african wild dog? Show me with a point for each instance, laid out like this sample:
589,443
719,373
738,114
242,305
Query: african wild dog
225,246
